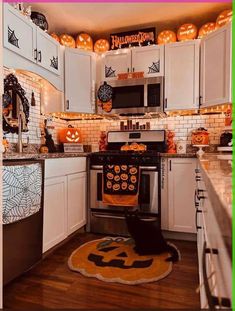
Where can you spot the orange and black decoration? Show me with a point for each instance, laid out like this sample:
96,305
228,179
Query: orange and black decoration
105,95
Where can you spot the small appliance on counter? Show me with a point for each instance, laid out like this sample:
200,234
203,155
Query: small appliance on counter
226,141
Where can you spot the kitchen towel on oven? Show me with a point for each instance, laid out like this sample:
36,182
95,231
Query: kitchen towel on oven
120,185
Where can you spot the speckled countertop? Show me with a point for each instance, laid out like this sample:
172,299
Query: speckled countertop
216,172
179,155
42,156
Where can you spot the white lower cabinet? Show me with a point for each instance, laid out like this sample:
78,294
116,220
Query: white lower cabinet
76,201
181,186
64,199
55,206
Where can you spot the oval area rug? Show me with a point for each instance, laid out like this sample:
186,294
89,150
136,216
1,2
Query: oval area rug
113,259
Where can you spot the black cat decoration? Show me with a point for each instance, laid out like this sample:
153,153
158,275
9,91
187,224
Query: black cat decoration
148,237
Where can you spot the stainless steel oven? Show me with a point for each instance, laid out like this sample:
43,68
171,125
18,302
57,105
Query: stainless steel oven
111,219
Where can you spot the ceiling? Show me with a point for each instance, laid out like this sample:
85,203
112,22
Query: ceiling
101,19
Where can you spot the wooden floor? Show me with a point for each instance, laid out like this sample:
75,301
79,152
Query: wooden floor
52,285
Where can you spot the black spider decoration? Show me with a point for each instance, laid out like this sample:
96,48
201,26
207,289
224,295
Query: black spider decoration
155,67
12,38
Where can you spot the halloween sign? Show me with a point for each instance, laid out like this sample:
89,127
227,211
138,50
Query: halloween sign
70,135
132,38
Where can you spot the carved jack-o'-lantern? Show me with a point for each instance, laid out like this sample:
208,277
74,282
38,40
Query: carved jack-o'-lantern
67,40
54,36
101,46
200,137
107,107
115,259
224,18
85,42
166,36
70,135
187,32
205,29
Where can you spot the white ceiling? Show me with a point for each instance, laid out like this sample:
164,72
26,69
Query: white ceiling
103,18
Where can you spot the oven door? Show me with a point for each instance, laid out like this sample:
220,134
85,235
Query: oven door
148,191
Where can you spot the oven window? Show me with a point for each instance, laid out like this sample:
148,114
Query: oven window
144,192
99,186
154,95
128,97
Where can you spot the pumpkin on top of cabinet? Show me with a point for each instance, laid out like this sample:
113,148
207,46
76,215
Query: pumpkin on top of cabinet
224,18
85,42
206,29
70,135
187,32
55,36
67,40
166,36
101,46
200,137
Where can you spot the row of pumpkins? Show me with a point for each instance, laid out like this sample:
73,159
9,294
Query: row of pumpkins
184,33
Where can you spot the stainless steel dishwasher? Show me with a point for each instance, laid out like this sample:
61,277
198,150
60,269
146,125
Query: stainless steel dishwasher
22,216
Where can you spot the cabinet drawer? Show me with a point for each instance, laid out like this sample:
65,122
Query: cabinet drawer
65,166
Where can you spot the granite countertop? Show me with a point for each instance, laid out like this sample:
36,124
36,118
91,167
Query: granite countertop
216,172
42,156
179,155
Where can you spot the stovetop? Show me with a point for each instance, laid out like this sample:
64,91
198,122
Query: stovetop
149,157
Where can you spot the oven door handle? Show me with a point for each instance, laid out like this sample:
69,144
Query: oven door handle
148,168
97,167
107,216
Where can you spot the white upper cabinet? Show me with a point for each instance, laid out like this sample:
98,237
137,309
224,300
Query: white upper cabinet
215,83
23,37
182,75
149,59
79,83
19,34
48,52
115,62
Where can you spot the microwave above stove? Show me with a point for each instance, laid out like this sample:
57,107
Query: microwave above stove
136,96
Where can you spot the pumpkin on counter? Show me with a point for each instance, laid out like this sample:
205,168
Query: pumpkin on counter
70,135
200,137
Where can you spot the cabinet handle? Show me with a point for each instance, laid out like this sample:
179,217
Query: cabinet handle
200,101
40,56
133,69
196,204
212,300
67,104
165,102
35,54
196,223
128,69
170,165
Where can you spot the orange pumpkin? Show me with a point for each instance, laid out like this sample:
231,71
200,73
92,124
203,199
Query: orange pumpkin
224,18
70,135
54,36
200,137
205,29
85,42
166,36
101,46
107,107
187,32
67,40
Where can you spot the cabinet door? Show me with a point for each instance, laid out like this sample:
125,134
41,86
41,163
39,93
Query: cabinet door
48,52
149,59
181,187
78,81
115,62
55,211
215,84
182,75
76,201
19,33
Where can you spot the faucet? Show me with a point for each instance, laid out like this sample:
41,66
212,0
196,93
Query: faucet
20,143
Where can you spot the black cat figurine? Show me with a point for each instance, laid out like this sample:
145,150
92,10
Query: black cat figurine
148,237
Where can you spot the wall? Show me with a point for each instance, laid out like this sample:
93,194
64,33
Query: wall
182,125
36,120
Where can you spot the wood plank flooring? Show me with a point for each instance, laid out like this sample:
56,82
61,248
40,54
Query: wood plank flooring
52,285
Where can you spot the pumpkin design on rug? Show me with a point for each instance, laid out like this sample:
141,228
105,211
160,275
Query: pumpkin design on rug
114,260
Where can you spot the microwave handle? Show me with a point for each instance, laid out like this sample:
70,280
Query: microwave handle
165,102
128,69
